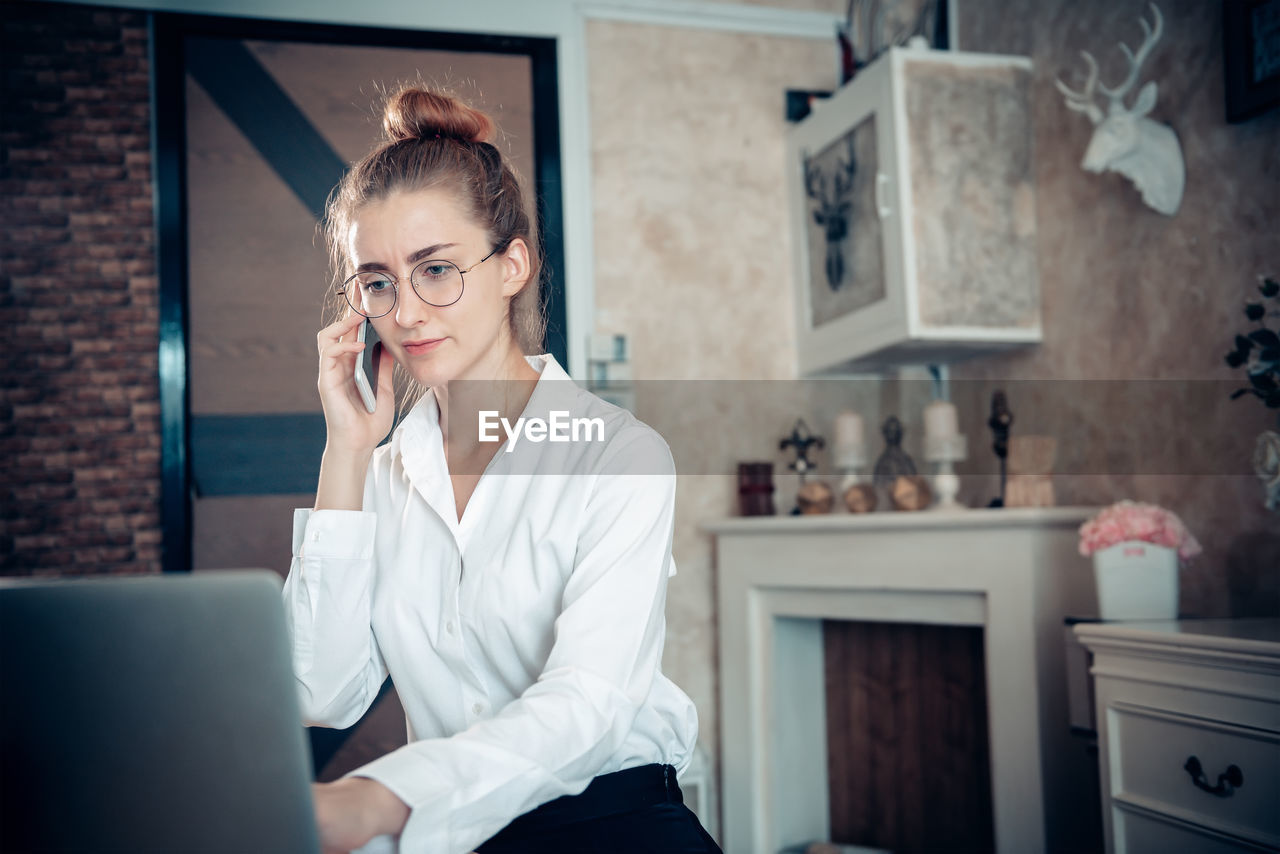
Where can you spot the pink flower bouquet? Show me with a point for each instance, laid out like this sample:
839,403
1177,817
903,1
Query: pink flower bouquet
1127,521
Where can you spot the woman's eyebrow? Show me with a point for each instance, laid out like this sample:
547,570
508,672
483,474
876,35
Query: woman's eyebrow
427,252
421,255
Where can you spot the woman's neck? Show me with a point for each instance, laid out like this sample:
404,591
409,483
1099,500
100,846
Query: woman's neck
504,387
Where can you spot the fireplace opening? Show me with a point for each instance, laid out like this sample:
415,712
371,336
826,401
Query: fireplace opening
908,755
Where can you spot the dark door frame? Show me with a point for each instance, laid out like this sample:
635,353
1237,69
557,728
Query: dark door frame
168,75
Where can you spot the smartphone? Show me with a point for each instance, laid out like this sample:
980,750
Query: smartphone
367,362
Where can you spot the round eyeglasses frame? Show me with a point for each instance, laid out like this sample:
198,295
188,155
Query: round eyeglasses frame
350,284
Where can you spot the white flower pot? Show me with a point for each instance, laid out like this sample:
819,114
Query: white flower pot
1137,581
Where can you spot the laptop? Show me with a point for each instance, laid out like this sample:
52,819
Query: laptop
151,713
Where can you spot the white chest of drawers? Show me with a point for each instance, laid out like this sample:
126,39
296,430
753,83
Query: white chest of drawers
1188,719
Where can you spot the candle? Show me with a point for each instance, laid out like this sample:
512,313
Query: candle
851,452
940,420
848,429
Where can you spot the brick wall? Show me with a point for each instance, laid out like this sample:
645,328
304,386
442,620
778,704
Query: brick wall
79,391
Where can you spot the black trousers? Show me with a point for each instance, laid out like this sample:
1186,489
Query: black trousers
633,811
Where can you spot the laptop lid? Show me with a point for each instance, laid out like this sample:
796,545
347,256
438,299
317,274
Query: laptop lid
151,713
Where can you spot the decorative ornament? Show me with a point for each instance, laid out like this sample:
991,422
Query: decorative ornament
1136,548
1266,464
871,27
860,498
814,498
1124,139
1258,352
755,489
1000,422
1030,482
910,492
894,461
800,440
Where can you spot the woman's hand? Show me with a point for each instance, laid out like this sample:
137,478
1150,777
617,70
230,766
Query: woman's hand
353,810
352,429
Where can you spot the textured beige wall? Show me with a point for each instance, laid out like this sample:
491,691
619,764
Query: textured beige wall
1131,294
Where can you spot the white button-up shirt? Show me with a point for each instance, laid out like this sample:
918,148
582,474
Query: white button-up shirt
525,642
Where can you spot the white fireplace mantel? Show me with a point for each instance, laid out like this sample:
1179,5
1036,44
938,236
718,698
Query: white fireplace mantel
1014,572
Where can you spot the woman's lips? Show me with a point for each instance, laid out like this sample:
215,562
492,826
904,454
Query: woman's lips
417,348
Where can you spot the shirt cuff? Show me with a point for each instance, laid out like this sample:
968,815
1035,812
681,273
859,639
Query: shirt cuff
380,845
410,778
341,534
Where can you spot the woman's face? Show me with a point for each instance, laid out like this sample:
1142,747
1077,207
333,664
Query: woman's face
465,340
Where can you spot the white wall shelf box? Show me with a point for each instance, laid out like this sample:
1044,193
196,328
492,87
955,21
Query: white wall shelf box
912,200
1016,573
1166,691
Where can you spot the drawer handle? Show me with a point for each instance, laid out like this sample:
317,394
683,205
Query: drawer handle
1227,783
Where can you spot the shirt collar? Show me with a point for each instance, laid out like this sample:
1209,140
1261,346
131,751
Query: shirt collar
417,439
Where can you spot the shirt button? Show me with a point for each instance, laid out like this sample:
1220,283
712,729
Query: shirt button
477,708
315,536
448,627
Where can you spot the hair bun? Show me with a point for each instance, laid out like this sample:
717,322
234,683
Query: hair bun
422,114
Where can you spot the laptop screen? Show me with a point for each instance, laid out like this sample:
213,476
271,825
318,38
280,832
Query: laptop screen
151,713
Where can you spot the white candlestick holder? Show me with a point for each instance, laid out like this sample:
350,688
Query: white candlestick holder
851,477
944,451
850,459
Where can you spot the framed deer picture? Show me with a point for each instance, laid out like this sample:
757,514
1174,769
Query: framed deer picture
912,208
1251,53
840,181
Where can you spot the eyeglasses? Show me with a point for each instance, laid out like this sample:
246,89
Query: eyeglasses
373,293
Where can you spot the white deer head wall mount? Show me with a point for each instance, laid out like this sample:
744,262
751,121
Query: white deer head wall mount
1124,139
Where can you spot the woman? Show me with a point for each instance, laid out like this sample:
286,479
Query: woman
514,590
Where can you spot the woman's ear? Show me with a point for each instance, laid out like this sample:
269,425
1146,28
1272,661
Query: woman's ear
515,267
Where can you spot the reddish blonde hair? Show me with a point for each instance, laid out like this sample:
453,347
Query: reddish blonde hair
434,141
